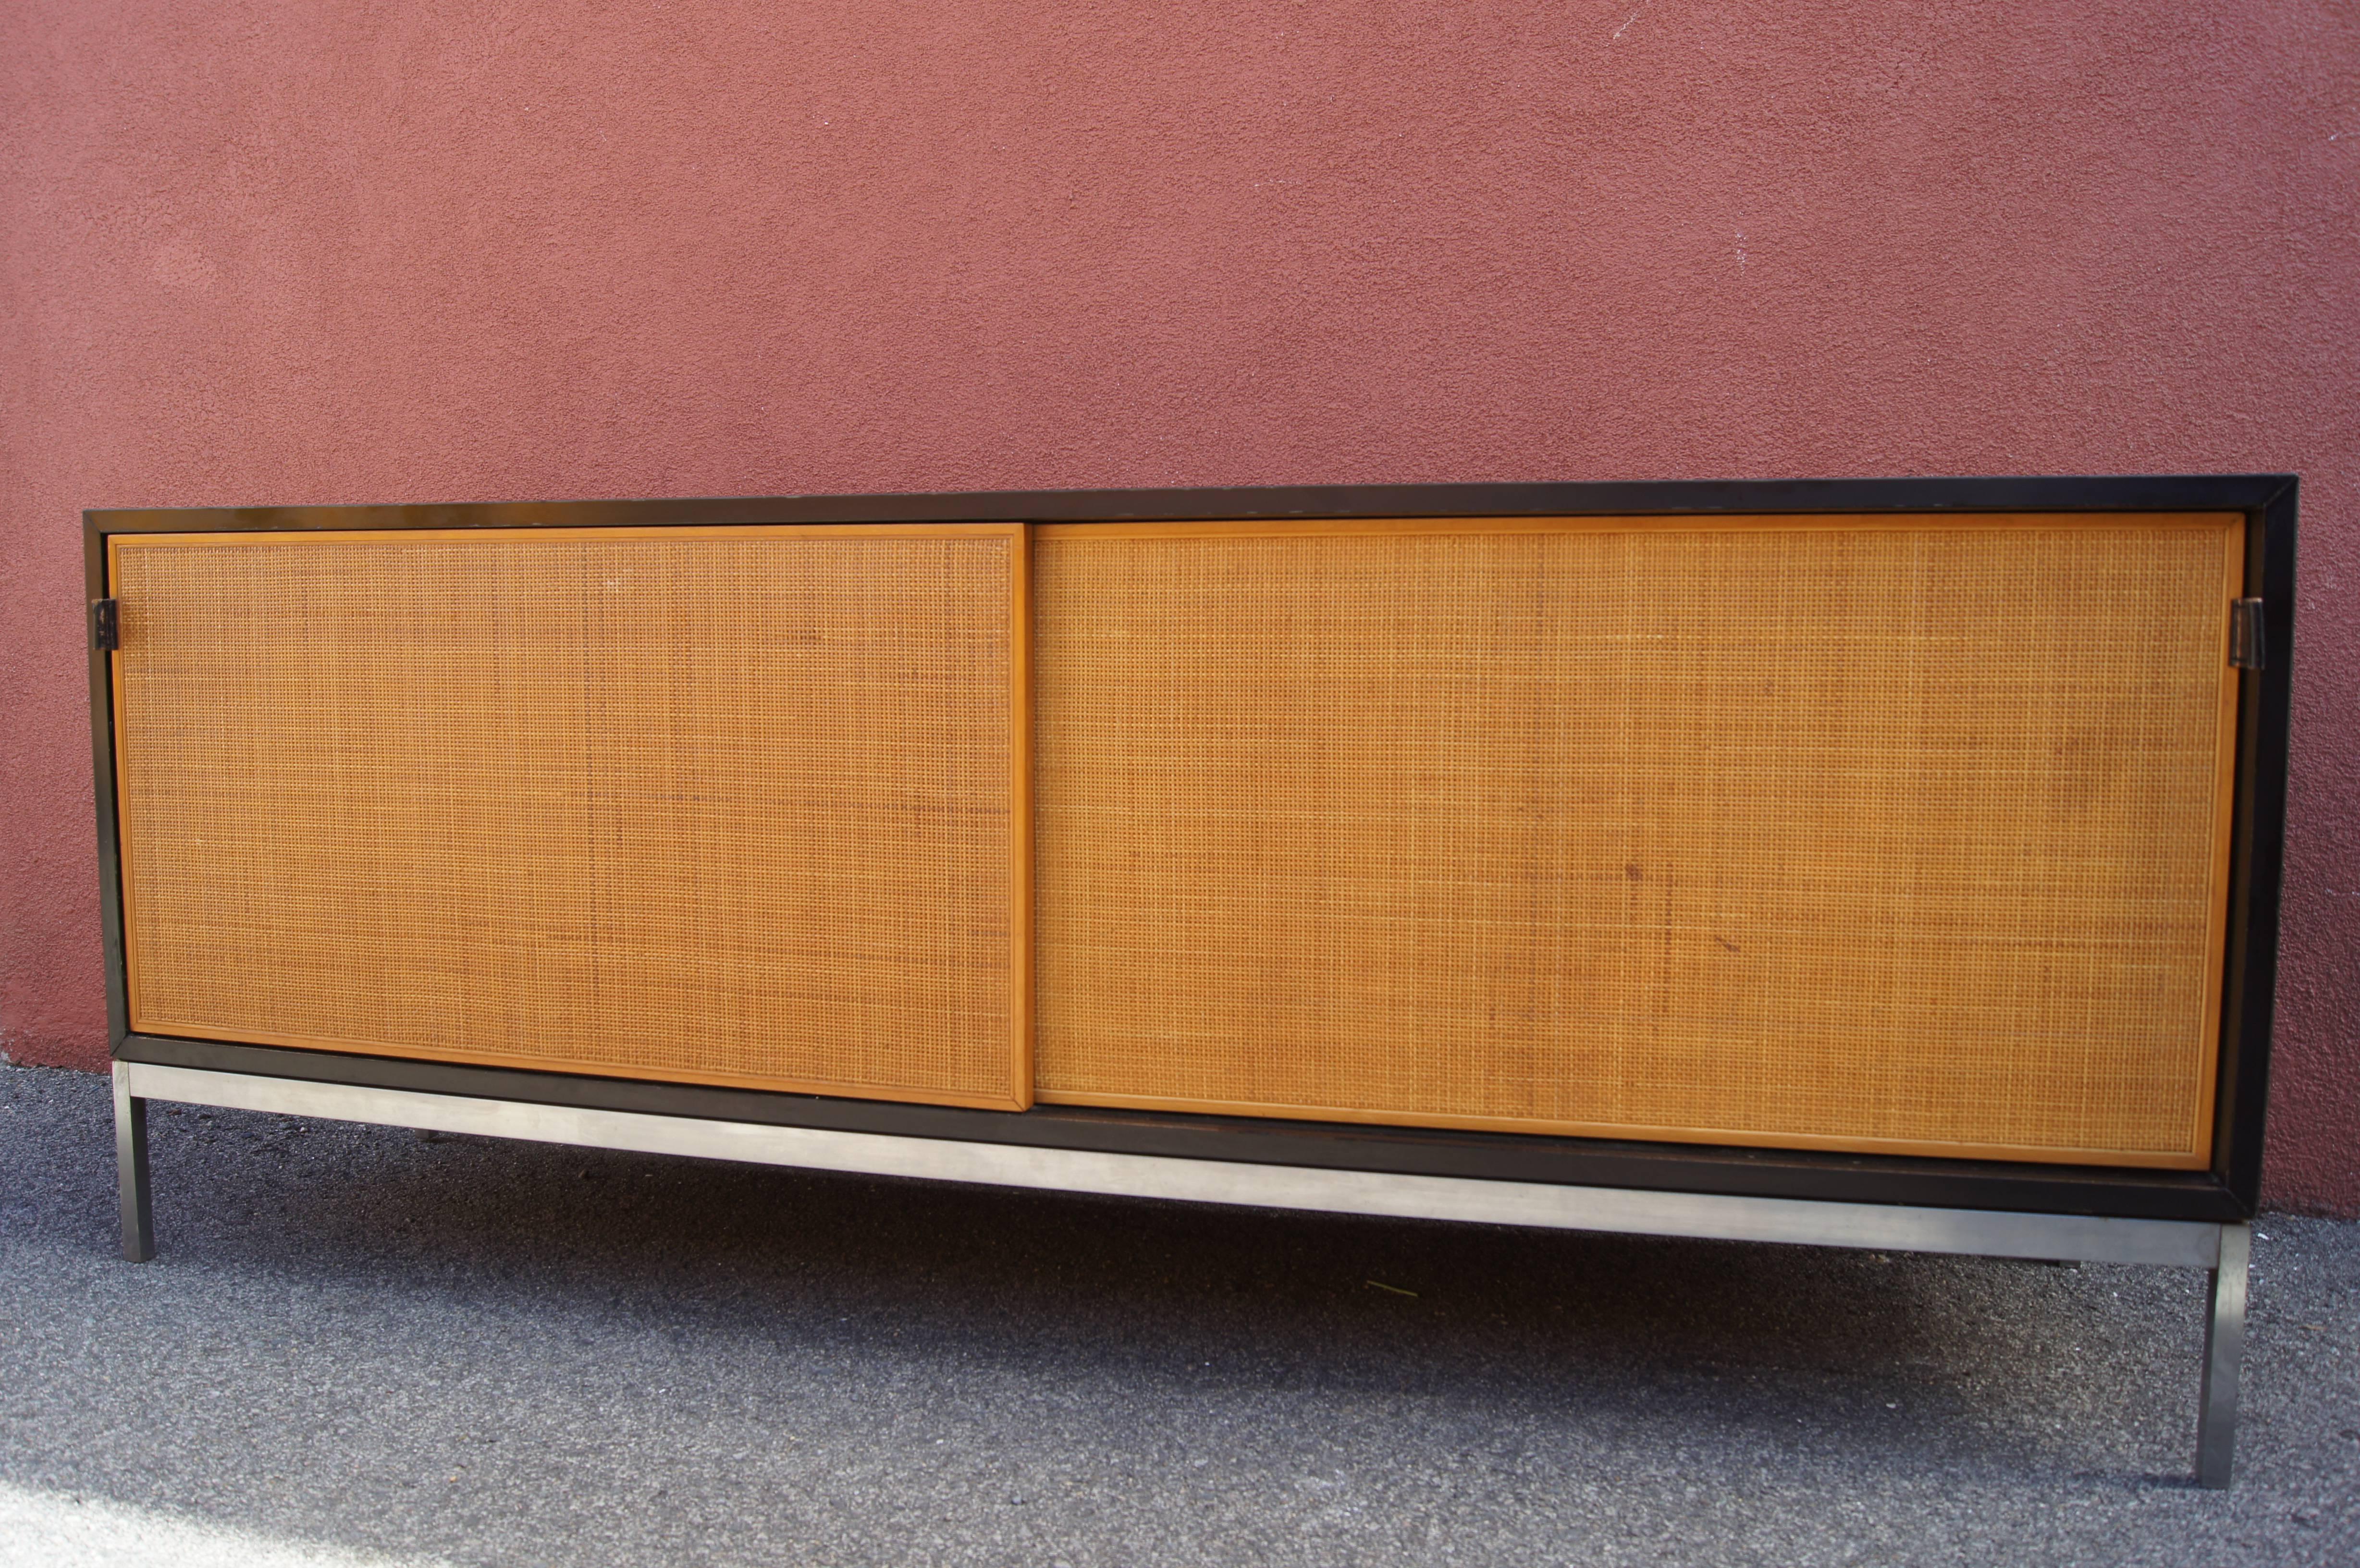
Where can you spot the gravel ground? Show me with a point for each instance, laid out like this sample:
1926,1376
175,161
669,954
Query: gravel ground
359,1344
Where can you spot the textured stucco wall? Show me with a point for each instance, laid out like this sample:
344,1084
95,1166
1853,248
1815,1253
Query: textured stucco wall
394,250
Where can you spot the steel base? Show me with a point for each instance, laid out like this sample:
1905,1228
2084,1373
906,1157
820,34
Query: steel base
131,1169
2224,1352
2185,1243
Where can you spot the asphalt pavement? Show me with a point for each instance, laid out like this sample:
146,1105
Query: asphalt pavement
361,1346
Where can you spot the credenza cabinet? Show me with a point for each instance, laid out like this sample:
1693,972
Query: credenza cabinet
1720,859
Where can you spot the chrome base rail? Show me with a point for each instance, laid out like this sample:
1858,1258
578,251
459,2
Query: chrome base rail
2186,1243
2225,1351
131,1170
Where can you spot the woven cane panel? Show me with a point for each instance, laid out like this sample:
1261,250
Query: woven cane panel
725,805
1903,835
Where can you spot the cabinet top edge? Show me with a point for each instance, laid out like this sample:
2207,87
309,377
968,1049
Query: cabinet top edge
2183,493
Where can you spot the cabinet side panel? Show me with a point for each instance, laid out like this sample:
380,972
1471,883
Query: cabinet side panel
1891,833
724,805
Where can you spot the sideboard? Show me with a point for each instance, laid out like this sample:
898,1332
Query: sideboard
1874,863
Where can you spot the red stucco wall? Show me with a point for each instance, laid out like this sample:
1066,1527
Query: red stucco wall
393,250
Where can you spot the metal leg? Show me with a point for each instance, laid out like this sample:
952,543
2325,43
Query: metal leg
2225,1349
131,1171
